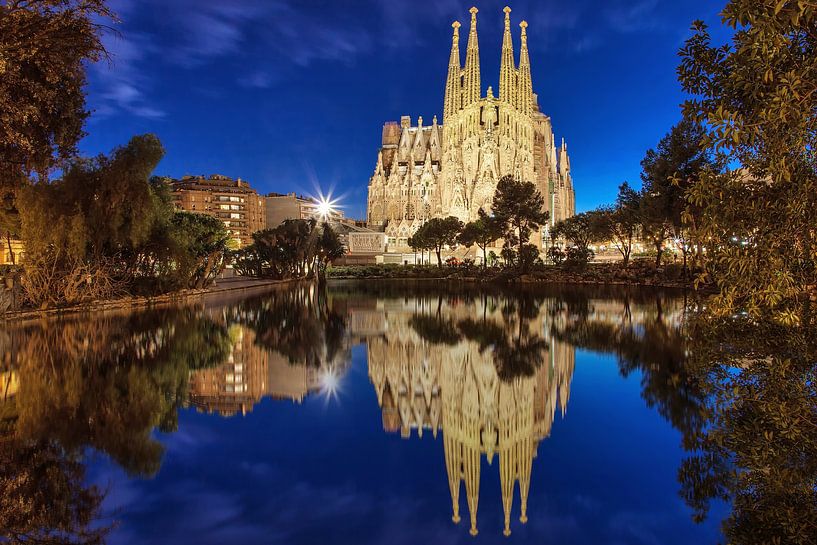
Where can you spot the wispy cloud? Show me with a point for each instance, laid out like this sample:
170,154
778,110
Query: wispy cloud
633,16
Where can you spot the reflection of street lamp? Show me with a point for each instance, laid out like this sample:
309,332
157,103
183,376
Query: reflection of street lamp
330,383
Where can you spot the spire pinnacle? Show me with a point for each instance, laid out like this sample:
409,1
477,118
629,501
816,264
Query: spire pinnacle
525,90
471,92
453,85
507,66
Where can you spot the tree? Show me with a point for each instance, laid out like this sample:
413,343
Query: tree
483,232
88,234
44,47
329,248
580,231
201,248
518,207
667,173
437,233
620,223
757,99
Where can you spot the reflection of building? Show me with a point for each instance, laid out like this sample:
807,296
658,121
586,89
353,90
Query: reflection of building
235,385
232,201
456,389
251,373
437,170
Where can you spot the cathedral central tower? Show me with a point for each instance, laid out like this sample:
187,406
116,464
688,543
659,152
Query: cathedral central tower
424,172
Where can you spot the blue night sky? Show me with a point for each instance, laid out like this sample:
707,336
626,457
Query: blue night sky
291,95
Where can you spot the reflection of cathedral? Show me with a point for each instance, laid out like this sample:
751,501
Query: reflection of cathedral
428,171
456,389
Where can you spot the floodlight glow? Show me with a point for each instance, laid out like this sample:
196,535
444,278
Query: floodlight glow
325,208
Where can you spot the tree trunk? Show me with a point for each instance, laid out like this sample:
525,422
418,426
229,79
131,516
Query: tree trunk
485,257
658,246
11,252
439,250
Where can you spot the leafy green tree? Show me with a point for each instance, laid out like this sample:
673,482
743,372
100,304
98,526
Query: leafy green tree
519,208
329,248
86,234
620,223
483,232
45,46
201,248
556,255
580,231
756,98
437,233
667,173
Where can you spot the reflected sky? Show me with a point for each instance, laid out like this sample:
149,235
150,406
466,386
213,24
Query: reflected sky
368,414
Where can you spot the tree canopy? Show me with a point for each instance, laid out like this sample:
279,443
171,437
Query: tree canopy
756,98
483,232
519,208
437,233
44,47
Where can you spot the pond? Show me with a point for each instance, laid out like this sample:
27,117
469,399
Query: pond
385,412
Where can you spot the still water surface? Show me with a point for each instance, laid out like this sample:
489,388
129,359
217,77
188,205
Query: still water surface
386,413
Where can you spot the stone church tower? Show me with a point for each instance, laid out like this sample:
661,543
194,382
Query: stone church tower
424,172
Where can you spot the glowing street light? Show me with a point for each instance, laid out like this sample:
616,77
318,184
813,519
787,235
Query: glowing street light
325,207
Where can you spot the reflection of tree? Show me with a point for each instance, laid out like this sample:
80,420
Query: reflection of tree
299,323
648,343
107,381
743,395
759,446
516,350
44,499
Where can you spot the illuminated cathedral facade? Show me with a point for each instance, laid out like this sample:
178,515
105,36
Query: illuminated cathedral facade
433,170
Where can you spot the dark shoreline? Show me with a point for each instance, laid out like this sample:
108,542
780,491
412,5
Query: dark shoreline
132,303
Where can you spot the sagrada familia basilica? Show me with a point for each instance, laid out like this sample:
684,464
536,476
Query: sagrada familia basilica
428,171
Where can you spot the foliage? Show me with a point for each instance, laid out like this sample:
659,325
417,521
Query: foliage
44,47
519,208
580,231
757,100
107,382
435,234
84,233
758,448
620,223
294,249
667,173
556,255
299,323
576,256
200,248
45,499
483,232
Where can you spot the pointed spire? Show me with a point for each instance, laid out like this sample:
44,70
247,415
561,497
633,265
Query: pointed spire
525,90
453,85
507,68
472,81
